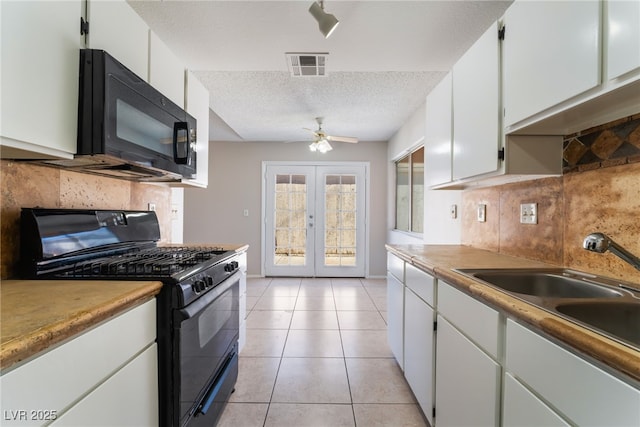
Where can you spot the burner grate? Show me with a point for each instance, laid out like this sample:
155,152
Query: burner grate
158,261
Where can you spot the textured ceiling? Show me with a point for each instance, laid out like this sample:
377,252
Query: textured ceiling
384,58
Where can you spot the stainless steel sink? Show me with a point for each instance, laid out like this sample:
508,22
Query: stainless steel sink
546,284
604,305
621,319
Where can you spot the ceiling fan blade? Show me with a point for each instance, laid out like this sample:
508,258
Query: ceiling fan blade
349,139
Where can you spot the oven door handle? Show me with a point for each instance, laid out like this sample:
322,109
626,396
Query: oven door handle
210,396
205,300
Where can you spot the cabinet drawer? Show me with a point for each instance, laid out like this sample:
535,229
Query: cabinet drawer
60,376
421,283
395,266
581,391
477,321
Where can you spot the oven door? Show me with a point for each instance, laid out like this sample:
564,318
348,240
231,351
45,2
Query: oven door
205,342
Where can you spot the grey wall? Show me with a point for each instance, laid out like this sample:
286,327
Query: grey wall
215,214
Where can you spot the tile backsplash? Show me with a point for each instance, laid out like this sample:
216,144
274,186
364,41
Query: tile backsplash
30,185
613,144
599,191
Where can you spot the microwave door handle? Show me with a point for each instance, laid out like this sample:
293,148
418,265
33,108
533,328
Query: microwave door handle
177,127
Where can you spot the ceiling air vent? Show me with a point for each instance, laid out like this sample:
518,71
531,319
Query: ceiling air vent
307,64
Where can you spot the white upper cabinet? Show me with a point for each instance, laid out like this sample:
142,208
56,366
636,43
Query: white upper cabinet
622,35
476,104
197,104
40,44
116,28
437,137
166,71
551,53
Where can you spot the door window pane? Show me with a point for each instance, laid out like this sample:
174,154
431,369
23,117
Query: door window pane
290,220
340,211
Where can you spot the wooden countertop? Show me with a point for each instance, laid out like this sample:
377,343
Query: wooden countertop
37,314
440,260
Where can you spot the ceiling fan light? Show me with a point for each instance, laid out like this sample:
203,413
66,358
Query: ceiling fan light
313,146
324,146
327,22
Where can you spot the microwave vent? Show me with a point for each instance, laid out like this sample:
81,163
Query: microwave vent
307,64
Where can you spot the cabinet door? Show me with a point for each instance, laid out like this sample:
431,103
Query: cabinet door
551,52
129,397
467,381
395,318
116,28
623,37
418,351
523,409
166,71
476,92
581,391
40,73
437,137
197,104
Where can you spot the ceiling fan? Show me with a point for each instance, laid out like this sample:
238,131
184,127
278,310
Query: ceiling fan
321,141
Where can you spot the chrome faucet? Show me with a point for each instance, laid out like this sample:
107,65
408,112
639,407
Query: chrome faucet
601,243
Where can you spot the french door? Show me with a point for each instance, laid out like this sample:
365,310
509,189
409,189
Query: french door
315,220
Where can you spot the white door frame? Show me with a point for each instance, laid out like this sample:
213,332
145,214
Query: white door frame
263,240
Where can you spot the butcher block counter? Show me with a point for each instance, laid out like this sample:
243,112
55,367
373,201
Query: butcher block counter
38,314
441,260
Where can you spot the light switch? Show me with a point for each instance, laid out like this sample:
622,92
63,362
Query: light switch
482,212
528,213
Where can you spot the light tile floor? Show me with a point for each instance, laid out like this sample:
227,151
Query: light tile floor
317,355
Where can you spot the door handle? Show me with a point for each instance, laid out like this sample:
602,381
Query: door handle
181,148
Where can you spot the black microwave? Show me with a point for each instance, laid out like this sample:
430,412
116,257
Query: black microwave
128,129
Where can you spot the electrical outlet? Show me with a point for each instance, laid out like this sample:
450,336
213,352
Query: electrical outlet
454,211
482,212
528,213
151,206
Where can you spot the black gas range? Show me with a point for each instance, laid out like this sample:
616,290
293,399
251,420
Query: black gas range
197,308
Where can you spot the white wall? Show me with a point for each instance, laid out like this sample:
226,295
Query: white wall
215,214
439,227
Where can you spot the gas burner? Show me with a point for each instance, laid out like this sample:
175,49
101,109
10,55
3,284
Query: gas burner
153,262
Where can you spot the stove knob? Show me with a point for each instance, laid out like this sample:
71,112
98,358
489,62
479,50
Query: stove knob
199,286
235,264
228,267
208,281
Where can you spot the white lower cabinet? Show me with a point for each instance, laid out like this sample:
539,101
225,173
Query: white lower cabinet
580,391
522,408
467,381
480,368
419,318
395,318
129,397
107,375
